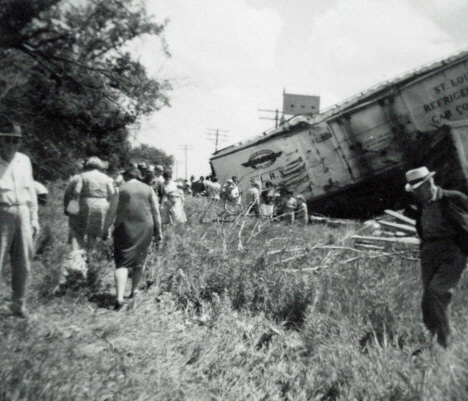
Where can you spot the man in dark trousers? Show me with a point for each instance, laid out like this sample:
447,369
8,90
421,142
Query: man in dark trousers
442,225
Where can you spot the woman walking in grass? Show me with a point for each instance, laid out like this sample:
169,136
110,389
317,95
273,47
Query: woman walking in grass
173,202
134,211
93,189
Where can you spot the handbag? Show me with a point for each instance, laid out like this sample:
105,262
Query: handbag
73,207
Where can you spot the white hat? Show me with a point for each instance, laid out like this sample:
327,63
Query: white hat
95,162
417,177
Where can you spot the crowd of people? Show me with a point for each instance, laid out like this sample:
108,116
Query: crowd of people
136,203
143,197
261,200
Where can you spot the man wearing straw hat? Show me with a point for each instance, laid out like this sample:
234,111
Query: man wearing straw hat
18,212
442,225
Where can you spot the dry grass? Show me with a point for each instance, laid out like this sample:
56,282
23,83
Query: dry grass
247,310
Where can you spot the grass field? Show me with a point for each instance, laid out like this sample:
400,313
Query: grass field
240,310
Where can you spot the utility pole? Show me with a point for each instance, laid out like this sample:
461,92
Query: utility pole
186,148
276,119
215,136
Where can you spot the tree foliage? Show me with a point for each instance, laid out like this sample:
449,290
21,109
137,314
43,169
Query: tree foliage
68,77
151,155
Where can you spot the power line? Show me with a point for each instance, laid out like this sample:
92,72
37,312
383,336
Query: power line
276,118
215,136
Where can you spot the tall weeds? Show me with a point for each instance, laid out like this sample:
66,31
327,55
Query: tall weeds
233,309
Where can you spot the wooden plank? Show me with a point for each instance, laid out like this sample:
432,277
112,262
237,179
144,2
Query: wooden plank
319,219
398,227
410,240
400,217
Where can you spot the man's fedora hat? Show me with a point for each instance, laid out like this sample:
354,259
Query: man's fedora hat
11,130
133,172
415,178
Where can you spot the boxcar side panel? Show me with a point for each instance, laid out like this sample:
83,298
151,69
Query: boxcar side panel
437,99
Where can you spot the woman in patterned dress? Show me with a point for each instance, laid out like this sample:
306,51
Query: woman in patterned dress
94,190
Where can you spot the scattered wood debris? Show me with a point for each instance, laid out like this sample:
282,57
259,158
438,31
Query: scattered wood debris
391,234
398,227
390,231
327,220
400,217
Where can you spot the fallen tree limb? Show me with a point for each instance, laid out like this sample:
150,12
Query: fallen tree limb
370,246
285,250
375,256
407,240
305,270
347,248
292,258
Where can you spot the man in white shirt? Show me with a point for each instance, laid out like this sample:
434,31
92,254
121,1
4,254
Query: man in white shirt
213,188
253,198
18,212
158,173
231,193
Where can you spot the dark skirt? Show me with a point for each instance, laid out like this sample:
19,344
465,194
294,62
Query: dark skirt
131,243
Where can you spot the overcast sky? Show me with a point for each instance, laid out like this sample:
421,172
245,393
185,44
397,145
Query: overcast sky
233,57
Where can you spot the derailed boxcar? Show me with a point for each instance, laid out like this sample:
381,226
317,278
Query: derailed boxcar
350,159
445,152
